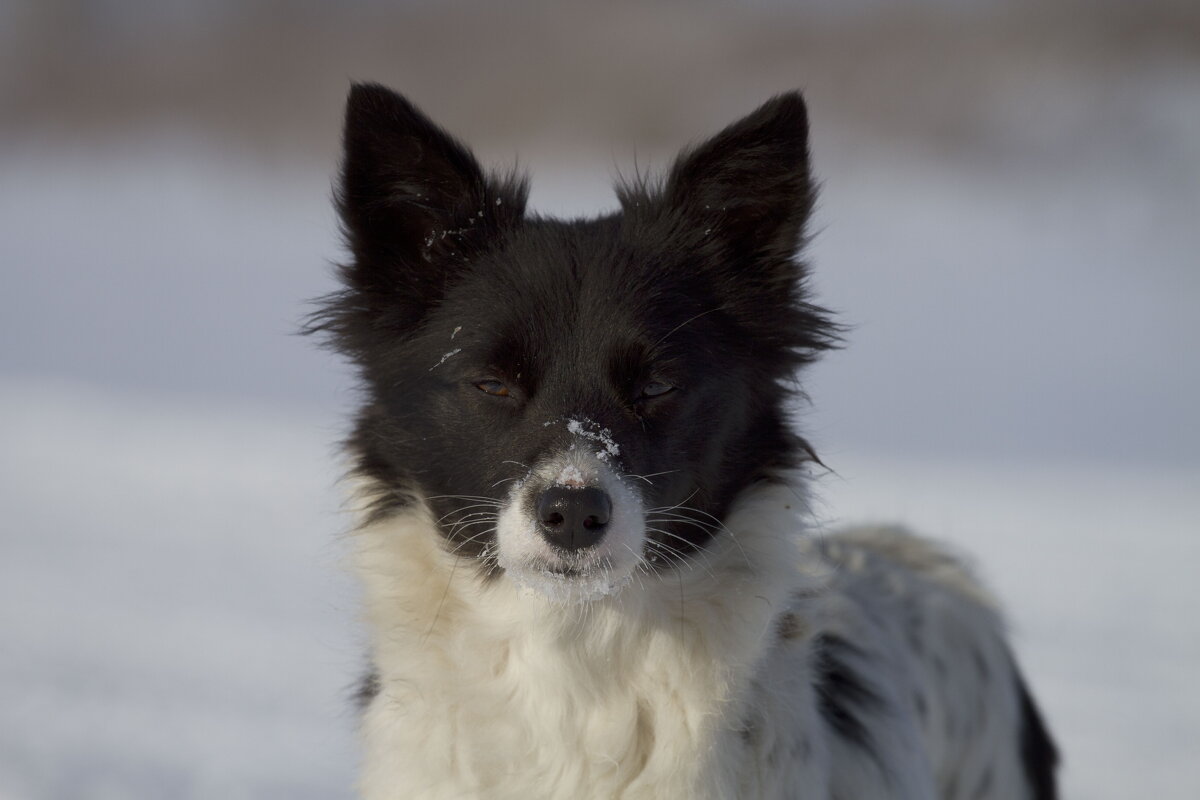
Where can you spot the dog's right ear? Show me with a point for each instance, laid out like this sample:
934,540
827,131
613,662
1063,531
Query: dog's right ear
415,207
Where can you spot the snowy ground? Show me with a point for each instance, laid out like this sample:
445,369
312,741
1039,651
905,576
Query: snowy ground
174,619
177,624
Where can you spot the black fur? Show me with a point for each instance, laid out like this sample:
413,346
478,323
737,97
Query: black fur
368,689
844,697
1038,752
694,282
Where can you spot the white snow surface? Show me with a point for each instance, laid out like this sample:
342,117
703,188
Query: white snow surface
175,617
177,622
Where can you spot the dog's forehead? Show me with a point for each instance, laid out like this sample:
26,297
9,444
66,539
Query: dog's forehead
569,287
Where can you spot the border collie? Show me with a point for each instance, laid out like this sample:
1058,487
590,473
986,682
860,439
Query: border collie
582,532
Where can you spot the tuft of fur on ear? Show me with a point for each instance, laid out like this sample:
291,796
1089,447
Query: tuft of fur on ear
740,203
416,208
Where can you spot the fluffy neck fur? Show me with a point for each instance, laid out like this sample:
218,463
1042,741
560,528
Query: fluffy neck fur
486,690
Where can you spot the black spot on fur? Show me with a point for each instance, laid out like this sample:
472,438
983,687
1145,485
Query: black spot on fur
750,730
1039,756
368,689
791,626
844,697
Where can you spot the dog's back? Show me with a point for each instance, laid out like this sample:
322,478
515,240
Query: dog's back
917,687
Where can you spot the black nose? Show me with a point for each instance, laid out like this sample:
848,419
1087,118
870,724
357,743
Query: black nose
573,519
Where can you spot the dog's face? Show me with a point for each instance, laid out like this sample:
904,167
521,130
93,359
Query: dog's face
574,400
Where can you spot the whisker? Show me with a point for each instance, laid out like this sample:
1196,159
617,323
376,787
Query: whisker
446,592
681,504
670,557
655,474
721,525
503,480
660,517
696,558
465,508
463,497
687,321
454,531
463,526
716,524
472,538
674,556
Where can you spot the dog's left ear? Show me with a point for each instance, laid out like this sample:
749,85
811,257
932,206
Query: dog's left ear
750,184
739,204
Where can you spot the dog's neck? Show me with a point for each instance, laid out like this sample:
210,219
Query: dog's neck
628,689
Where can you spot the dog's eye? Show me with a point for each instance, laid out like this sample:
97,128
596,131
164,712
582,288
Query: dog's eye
492,387
656,389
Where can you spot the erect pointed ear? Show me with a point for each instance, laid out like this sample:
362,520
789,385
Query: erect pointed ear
415,204
737,205
750,186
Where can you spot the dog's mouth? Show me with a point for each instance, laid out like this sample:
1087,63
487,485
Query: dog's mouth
570,584
572,529
578,566
579,576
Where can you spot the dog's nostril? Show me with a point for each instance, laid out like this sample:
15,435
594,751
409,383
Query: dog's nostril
574,518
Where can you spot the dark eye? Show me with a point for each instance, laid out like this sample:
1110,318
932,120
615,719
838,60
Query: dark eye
656,389
492,387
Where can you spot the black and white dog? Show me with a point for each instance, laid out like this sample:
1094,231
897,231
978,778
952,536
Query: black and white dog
582,538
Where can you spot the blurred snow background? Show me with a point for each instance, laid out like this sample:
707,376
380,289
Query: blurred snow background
1009,219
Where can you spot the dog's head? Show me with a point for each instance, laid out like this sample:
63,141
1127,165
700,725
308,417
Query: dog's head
574,400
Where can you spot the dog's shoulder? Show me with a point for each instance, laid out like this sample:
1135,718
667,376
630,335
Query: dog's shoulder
914,677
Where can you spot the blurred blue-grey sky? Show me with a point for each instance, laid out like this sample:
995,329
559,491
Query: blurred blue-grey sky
1008,216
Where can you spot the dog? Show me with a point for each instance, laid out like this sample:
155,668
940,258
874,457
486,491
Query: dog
583,531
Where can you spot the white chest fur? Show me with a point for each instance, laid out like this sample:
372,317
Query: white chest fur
488,691
704,682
